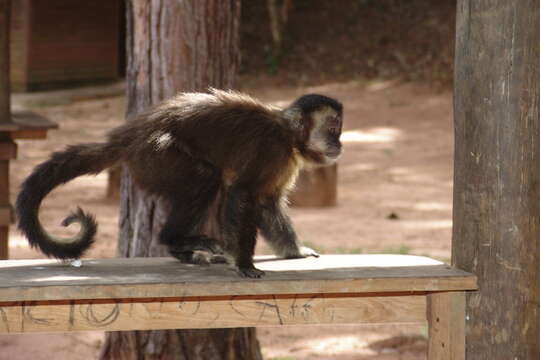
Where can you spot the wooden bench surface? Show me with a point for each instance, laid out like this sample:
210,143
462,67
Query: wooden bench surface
27,125
161,293
32,280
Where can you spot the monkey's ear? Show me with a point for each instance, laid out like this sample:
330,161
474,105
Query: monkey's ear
293,117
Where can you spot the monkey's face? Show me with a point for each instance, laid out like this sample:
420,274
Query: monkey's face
323,140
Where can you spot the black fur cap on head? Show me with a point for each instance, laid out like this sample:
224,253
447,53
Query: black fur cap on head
311,102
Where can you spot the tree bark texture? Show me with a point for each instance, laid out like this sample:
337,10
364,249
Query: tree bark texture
174,45
5,116
497,174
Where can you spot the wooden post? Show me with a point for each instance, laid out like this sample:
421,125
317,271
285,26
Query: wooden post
446,319
5,117
316,188
497,174
21,125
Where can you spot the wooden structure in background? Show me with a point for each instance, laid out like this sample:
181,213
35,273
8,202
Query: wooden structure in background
161,293
21,125
497,174
58,43
316,188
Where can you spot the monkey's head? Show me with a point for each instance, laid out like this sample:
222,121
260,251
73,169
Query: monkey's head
317,123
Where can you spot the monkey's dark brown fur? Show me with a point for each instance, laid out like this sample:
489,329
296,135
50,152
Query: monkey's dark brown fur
223,161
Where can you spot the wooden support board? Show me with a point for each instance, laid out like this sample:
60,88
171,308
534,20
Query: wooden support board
446,317
161,293
27,125
6,215
209,312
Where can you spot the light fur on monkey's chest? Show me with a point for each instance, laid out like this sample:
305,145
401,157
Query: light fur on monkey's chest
284,180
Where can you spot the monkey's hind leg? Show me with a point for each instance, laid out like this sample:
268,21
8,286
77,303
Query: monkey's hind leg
180,236
181,231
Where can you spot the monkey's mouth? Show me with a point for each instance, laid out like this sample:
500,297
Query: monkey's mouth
333,154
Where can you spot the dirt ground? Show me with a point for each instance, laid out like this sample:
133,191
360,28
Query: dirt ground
395,196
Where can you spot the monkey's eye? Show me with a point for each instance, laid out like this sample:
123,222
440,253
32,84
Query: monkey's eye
333,130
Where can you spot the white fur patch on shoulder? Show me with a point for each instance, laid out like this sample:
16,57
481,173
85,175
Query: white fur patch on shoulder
161,140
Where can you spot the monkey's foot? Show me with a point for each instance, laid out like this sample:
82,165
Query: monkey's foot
218,259
196,244
202,243
200,258
250,272
192,257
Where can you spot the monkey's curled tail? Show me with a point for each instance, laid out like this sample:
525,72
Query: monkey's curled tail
62,167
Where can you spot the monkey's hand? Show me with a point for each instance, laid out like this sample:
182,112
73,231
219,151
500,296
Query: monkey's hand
305,252
301,252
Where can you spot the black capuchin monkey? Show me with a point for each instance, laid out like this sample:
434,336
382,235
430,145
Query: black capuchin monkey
224,162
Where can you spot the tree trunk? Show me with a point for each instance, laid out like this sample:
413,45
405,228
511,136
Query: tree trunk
497,174
5,117
174,46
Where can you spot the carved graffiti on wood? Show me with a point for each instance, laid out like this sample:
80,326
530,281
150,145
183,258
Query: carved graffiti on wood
205,312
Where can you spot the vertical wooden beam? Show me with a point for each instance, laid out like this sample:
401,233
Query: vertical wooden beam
316,187
5,115
497,174
446,319
4,202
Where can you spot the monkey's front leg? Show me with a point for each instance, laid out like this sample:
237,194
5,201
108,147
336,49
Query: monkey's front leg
278,231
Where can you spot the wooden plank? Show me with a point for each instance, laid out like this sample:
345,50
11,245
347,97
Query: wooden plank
4,245
29,134
209,312
27,120
4,182
28,125
4,202
6,215
446,319
8,150
27,280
